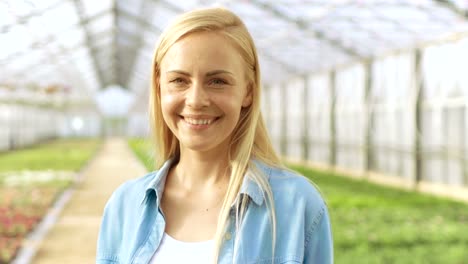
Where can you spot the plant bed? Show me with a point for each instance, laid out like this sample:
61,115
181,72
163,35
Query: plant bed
21,209
9,246
30,182
63,154
376,224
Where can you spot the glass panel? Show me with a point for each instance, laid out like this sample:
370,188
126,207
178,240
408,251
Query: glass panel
92,7
101,24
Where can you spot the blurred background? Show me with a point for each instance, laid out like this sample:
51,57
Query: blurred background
368,98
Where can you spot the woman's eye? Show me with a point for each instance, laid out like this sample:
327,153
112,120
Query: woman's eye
218,81
177,80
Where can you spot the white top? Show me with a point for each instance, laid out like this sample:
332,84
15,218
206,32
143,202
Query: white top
174,251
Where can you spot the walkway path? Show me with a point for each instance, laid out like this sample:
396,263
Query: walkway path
73,238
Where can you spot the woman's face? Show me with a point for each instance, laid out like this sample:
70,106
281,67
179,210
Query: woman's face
203,89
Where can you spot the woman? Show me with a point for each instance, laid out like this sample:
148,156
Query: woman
221,194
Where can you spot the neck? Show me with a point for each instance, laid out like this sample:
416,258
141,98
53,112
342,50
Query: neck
196,170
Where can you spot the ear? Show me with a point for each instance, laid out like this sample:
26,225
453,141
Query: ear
248,97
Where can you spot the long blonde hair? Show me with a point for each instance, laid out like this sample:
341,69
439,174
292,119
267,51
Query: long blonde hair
249,139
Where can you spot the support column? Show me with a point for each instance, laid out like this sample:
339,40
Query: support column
306,118
332,83
464,152
418,88
369,119
284,113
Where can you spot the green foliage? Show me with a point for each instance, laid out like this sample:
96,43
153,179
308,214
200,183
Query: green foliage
142,148
64,154
375,224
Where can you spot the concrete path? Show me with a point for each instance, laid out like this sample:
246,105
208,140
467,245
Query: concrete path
73,238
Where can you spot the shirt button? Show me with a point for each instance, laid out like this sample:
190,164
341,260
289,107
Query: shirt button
227,236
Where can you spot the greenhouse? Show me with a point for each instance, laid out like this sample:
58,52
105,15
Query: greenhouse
367,98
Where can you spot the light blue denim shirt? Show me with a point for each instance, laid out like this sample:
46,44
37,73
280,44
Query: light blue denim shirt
133,223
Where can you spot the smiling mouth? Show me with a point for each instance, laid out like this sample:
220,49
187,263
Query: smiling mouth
199,121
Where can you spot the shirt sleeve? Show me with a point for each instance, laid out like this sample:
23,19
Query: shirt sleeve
319,242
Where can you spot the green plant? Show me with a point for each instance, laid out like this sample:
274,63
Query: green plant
142,149
376,224
64,154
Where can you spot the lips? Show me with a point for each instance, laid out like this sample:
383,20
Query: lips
194,121
199,120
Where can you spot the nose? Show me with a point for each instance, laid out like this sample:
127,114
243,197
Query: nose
197,96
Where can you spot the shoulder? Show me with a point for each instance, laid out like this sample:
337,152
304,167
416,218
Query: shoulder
291,186
295,195
302,218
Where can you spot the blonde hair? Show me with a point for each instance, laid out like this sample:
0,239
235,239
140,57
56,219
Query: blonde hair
249,139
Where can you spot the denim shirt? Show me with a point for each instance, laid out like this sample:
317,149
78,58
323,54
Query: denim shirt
133,223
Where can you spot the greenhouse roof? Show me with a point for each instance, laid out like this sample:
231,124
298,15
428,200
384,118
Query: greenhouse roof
96,44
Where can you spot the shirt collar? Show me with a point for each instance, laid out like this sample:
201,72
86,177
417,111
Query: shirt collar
252,189
248,187
156,185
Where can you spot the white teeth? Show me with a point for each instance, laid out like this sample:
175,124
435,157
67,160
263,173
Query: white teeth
198,121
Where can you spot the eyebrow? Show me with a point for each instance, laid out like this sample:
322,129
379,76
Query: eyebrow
211,73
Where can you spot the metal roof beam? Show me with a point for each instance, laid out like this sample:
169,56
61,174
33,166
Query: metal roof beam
450,5
144,23
169,5
286,66
52,38
302,25
80,12
82,23
146,11
43,44
24,19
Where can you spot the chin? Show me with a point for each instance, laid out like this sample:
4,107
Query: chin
197,145
203,145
